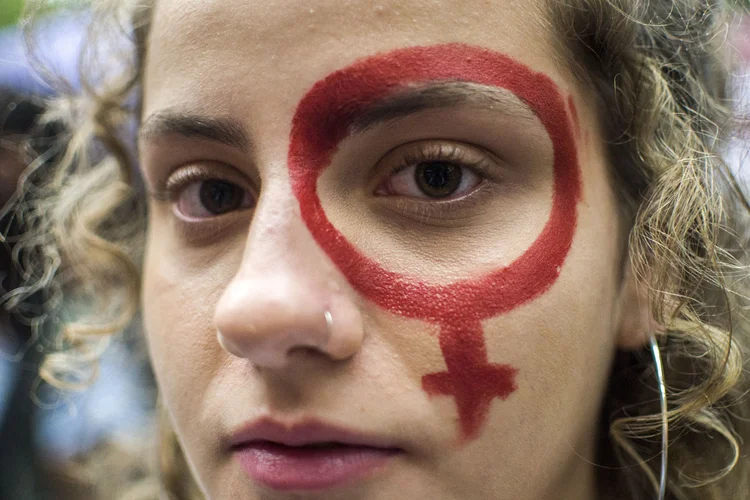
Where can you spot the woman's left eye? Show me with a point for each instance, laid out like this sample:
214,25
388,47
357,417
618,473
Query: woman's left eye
434,172
434,179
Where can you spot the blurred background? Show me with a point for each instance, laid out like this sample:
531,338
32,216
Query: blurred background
46,436
10,11
51,441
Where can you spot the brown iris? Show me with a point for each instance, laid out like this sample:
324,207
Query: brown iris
219,197
438,179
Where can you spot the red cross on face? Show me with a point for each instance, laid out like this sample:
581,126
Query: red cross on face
322,121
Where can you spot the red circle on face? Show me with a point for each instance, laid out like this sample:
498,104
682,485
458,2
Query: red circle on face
322,121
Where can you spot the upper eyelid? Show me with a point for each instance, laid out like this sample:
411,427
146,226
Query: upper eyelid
169,188
456,151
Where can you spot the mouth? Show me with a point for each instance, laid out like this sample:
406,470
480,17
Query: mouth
309,456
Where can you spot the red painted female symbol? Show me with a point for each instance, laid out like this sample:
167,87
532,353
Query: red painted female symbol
322,120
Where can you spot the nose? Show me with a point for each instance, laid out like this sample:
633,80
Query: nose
286,296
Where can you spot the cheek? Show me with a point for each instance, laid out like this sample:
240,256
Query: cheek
409,345
565,340
178,304
391,365
563,345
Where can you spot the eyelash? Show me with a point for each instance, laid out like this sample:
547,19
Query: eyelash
174,185
446,152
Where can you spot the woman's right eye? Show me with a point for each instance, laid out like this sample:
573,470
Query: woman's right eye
202,199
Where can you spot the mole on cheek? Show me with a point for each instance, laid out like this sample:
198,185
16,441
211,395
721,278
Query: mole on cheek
322,120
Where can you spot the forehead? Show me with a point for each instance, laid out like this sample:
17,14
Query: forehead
224,54
266,21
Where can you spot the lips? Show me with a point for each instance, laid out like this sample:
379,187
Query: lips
308,456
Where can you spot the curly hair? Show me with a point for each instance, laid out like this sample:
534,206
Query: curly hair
659,71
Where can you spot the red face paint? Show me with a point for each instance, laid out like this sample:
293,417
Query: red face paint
322,121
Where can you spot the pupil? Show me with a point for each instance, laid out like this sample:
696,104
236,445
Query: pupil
219,197
438,179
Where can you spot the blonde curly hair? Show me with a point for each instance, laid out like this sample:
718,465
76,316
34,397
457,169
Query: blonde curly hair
659,72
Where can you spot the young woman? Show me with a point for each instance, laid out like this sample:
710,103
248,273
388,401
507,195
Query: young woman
415,249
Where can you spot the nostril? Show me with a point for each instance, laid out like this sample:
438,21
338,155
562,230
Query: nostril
307,352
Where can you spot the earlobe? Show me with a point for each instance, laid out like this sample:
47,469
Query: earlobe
635,324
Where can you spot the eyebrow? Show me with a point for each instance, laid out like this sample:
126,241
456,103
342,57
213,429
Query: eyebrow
222,130
435,95
399,104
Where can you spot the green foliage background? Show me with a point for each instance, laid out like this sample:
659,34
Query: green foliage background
9,11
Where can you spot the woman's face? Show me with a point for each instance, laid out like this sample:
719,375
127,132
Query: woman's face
383,253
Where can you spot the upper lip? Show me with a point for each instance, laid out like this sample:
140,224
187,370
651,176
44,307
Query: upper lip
304,433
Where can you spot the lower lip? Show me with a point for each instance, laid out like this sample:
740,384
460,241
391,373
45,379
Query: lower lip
285,468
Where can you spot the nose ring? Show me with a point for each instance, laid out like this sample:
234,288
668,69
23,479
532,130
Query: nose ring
223,344
329,327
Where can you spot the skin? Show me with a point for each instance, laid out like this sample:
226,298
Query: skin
259,276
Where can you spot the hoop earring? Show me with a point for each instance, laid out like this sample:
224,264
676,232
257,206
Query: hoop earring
656,353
